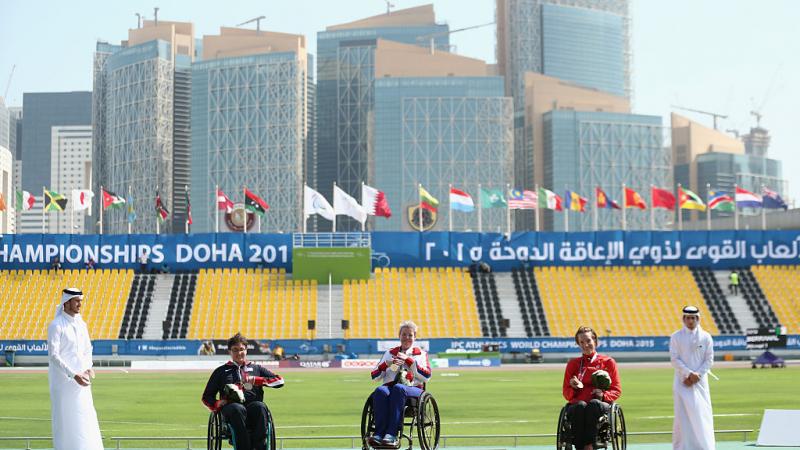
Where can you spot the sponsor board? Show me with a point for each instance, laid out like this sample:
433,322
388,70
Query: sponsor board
439,363
475,362
292,364
388,345
359,363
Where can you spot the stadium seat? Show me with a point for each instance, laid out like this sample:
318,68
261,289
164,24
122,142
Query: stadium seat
781,287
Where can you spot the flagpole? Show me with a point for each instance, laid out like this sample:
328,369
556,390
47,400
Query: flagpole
334,206
130,223
680,211
735,208
708,207
305,217
364,223
72,215
596,209
566,210
508,212
480,209
44,204
158,212
449,208
536,210
652,209
244,194
624,207
186,221
763,210
419,207
102,190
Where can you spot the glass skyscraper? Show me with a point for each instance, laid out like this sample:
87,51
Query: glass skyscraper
345,92
250,117
585,150
437,131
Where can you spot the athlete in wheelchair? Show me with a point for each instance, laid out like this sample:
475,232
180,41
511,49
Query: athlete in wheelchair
403,372
239,415
590,418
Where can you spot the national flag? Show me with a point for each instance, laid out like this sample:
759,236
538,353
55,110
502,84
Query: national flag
574,202
188,208
374,202
603,201
427,201
690,200
522,199
223,202
773,200
662,198
131,210
161,210
25,200
549,200
315,203
493,198
254,203
82,199
2,202
53,201
633,199
720,201
345,204
747,199
111,200
461,201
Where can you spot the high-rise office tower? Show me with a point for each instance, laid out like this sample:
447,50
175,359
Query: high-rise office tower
586,42
42,112
70,169
141,118
251,126
8,215
346,88
440,119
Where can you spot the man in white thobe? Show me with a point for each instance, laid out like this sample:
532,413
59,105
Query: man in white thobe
75,425
691,353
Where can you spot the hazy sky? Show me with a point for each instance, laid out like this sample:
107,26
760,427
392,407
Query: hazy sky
724,56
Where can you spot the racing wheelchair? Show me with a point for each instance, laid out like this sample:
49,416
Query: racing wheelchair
218,431
611,430
421,413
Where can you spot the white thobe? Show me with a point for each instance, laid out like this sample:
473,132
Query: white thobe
693,427
75,425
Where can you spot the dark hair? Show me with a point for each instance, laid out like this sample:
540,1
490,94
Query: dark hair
237,339
582,330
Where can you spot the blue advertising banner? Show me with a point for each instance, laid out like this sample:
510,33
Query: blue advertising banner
179,252
184,347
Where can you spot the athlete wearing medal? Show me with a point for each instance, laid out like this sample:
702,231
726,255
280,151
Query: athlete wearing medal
251,414
586,401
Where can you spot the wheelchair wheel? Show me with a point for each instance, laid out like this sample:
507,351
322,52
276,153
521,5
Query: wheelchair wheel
428,425
214,439
367,424
563,441
619,438
270,432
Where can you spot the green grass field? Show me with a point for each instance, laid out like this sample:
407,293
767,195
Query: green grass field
320,403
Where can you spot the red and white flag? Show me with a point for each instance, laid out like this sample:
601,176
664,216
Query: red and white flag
223,202
374,202
82,199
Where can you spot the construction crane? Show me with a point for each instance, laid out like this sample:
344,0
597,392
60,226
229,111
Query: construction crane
758,117
257,20
447,33
8,83
389,6
715,115
756,111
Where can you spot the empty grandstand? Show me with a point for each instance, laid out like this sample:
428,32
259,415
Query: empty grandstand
781,285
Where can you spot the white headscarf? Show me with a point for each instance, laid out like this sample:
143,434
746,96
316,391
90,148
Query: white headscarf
66,295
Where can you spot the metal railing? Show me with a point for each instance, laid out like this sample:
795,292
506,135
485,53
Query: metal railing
353,439
324,240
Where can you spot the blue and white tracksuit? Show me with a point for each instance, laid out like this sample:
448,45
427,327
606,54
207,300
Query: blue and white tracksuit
389,399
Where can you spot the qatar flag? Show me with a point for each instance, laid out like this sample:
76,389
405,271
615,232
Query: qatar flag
82,199
374,202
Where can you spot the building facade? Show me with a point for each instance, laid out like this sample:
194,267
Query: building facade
142,101
41,112
345,92
251,126
71,169
8,215
585,150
